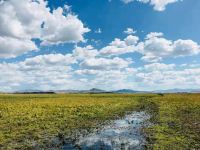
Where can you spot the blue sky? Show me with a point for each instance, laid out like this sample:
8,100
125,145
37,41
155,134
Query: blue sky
115,44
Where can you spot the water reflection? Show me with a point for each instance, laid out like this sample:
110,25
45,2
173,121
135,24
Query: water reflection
122,134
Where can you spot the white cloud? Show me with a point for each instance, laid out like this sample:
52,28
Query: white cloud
155,47
166,79
151,58
117,47
185,47
129,31
105,64
87,67
159,67
131,40
158,5
109,79
85,52
54,71
49,60
62,29
12,47
154,34
43,72
87,72
26,20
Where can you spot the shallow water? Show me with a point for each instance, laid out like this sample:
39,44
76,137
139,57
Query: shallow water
121,134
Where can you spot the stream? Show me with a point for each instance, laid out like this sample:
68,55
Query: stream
120,134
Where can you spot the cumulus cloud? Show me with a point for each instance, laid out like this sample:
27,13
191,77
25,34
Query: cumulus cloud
88,67
105,64
185,47
26,20
43,72
12,47
185,78
159,67
62,29
85,52
48,60
109,79
87,72
150,58
155,47
154,34
117,47
55,71
158,5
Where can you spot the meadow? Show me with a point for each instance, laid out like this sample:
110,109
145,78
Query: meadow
35,121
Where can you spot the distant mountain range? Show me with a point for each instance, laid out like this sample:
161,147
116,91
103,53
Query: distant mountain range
178,91
93,90
125,91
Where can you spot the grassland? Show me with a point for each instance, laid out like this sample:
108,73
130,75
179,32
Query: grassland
176,119
31,121
26,119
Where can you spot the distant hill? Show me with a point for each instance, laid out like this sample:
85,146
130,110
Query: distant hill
94,90
125,91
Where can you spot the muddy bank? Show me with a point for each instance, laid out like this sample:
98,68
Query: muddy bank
120,134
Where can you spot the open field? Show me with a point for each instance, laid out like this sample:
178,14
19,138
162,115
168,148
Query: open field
176,119
29,121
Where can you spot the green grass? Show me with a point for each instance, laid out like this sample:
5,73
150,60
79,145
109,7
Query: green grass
29,119
176,119
25,119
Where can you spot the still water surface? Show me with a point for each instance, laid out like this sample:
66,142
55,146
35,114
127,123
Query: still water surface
121,134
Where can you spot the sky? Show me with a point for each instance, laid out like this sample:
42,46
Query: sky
107,44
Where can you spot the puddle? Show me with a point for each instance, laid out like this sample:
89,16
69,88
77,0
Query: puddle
121,134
